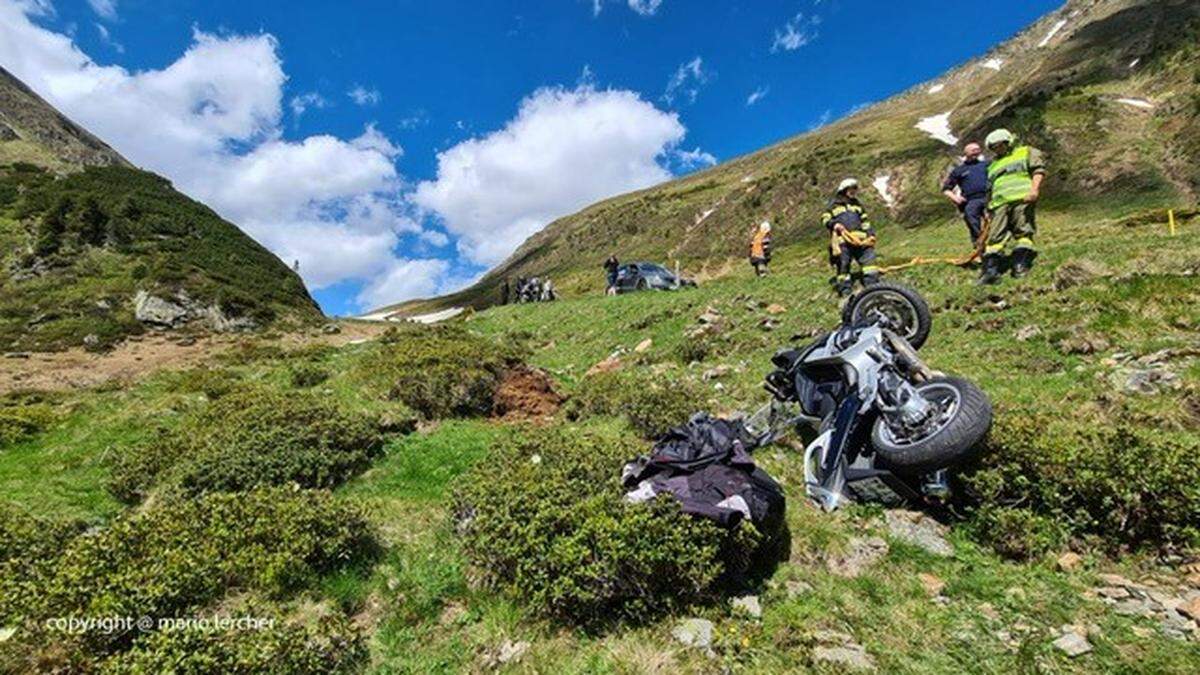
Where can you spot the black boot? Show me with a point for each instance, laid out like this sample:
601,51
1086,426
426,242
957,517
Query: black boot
992,269
844,288
1022,261
870,279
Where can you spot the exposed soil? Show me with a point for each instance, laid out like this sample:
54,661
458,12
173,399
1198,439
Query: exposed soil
139,357
527,393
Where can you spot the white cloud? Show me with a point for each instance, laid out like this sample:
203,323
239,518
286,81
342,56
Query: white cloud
694,159
211,122
105,9
303,102
363,96
757,95
797,32
821,121
107,39
645,7
689,77
404,280
565,149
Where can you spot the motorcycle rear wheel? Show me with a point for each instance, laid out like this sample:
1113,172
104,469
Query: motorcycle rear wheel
962,420
904,308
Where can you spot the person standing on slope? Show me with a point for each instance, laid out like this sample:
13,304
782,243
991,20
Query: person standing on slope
852,237
610,271
967,187
1015,184
760,248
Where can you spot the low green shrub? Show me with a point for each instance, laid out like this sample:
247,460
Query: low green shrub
250,438
330,645
20,422
1125,486
652,404
307,375
543,518
212,382
439,371
176,557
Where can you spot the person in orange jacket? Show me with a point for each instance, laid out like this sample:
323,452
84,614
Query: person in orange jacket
760,248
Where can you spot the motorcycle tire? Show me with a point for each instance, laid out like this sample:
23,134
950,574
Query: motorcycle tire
954,442
903,304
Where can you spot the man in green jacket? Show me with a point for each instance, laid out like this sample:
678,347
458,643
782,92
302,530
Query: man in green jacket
1015,183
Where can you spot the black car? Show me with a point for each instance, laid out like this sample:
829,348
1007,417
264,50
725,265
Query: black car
644,276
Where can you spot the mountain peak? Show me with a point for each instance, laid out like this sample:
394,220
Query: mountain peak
34,132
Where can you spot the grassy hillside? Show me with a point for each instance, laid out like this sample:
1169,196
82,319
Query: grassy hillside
1106,156
76,249
1092,363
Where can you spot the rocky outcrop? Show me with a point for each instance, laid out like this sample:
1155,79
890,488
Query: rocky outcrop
180,310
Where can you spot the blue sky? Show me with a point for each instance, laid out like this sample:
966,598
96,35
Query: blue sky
398,149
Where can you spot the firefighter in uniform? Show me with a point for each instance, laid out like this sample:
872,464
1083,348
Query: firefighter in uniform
851,237
1015,183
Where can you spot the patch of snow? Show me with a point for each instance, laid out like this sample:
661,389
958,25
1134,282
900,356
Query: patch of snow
747,178
433,317
1053,31
994,64
881,184
701,217
936,88
938,127
377,316
1134,63
1136,102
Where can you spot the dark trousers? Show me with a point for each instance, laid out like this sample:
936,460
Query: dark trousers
972,213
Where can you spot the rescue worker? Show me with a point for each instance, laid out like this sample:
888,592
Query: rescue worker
1015,183
967,187
610,271
760,248
852,237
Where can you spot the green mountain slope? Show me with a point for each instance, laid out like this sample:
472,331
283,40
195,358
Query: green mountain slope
1109,89
93,250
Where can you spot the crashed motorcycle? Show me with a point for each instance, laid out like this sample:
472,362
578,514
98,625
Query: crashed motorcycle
888,428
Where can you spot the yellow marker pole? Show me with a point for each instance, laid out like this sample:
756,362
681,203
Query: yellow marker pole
1171,221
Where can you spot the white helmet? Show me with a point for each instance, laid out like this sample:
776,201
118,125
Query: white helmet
999,136
765,226
847,184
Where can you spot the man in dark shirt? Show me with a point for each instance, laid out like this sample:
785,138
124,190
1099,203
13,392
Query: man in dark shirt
611,266
967,187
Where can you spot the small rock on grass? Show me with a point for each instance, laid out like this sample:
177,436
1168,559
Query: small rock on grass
1073,644
694,632
748,605
932,584
512,651
850,657
1191,609
643,346
1069,561
776,308
796,588
919,530
860,554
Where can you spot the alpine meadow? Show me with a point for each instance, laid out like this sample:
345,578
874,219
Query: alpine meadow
883,445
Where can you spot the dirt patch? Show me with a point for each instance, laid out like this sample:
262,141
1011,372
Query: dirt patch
138,357
527,393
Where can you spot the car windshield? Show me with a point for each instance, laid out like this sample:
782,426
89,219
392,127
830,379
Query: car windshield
656,272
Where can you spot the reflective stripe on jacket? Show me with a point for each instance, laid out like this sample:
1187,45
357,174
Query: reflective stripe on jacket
849,213
1010,178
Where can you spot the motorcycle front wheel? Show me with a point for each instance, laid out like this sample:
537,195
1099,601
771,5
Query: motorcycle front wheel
961,418
900,307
